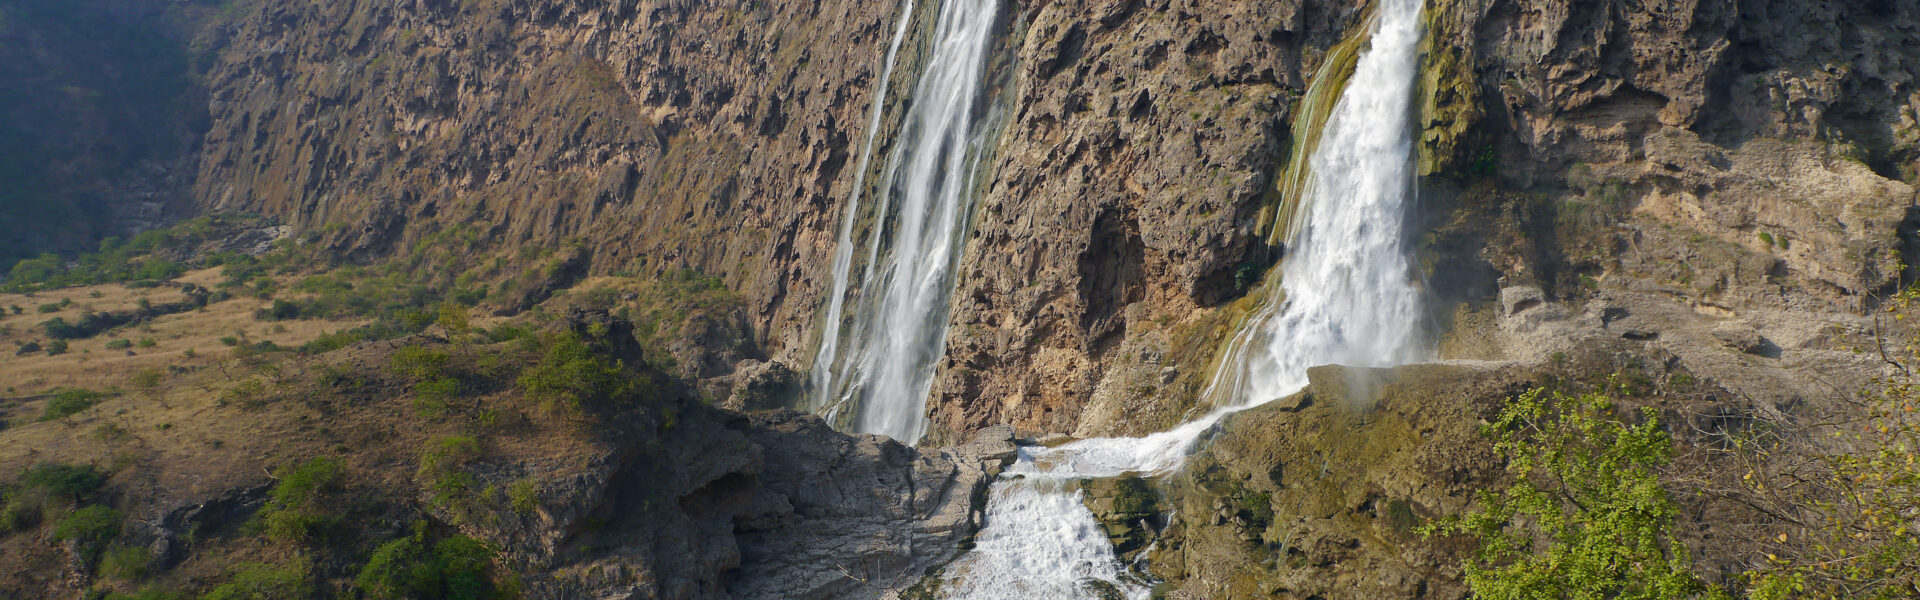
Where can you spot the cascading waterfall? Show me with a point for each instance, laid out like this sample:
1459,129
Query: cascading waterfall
899,328
824,360
1346,296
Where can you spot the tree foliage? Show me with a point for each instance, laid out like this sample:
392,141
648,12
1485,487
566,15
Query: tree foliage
1586,517
571,374
453,568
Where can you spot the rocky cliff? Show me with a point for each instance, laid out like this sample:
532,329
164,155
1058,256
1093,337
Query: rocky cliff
1709,194
1139,148
653,136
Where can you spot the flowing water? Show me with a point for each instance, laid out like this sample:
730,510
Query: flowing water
1346,295
898,328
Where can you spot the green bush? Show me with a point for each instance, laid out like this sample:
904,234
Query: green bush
20,512
261,581
58,328
146,342
1585,516
419,363
72,482
454,568
524,496
120,344
90,528
56,347
283,310
69,402
249,393
149,378
126,562
433,395
448,453
570,374
296,511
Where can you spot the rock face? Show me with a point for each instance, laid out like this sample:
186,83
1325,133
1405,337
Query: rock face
771,505
1775,137
1141,140
1137,146
660,135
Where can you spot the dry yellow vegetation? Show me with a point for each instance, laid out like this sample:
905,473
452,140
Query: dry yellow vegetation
185,340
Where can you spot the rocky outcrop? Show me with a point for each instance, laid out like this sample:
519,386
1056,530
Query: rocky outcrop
768,505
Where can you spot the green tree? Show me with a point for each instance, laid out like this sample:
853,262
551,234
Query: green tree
296,509
1586,517
90,528
454,568
570,374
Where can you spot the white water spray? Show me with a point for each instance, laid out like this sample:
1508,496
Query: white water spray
824,361
1346,296
899,329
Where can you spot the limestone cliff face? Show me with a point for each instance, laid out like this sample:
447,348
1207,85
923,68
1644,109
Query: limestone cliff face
1722,153
1725,154
1142,139
654,135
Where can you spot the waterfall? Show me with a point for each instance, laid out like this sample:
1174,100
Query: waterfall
898,331
1346,295
823,361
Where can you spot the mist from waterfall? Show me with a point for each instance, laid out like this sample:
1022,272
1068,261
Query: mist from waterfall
1346,295
897,331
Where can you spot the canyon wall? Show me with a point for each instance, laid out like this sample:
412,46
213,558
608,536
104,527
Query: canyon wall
1571,146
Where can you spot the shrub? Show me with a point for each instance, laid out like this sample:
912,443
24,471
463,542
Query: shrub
433,395
1853,531
296,511
58,328
453,317
570,374
1585,516
72,482
249,393
68,402
90,528
126,562
261,581
229,341
454,568
448,453
149,378
283,310
47,308
419,363
56,347
120,344
27,348
20,512
524,496
146,342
